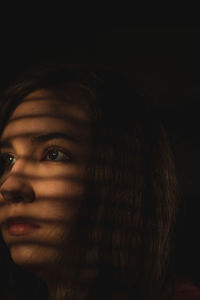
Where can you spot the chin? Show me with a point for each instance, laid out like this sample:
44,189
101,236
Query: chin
32,257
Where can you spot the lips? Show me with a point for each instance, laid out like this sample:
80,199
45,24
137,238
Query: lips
20,226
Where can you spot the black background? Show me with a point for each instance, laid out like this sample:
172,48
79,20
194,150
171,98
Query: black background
164,63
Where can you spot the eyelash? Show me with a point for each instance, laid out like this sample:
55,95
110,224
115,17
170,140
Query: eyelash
59,149
6,155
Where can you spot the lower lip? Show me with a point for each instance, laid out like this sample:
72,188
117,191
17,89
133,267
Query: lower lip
21,228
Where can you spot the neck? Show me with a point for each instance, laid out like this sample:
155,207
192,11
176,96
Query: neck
63,292
58,292
57,280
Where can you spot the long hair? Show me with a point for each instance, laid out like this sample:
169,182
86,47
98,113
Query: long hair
126,228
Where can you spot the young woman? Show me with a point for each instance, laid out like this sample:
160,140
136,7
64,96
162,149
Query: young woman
88,192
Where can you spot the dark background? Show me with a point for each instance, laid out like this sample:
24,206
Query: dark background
164,63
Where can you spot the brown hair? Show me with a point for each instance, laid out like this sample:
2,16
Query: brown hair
128,219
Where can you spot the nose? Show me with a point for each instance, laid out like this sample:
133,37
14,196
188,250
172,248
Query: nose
16,189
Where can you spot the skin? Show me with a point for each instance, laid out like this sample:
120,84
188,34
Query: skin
50,181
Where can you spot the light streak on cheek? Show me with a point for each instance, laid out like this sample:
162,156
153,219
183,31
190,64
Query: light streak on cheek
59,189
58,202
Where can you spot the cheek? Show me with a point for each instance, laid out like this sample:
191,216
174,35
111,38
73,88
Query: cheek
59,198
62,188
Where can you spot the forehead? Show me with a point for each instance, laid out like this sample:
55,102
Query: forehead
42,110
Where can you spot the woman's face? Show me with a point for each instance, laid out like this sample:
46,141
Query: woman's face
45,147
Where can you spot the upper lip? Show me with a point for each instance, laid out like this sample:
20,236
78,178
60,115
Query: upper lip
19,220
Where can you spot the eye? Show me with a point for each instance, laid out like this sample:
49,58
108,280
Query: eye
7,160
56,155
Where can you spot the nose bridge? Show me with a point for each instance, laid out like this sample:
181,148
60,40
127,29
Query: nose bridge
25,161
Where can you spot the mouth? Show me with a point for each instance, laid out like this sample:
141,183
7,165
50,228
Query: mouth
20,226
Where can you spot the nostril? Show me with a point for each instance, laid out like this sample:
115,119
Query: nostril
17,198
12,196
16,190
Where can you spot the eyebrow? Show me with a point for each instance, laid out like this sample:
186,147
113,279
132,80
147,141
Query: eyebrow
41,138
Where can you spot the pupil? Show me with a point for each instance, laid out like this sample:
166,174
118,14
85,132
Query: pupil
53,154
8,160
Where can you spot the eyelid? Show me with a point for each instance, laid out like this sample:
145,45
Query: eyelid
4,152
7,150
